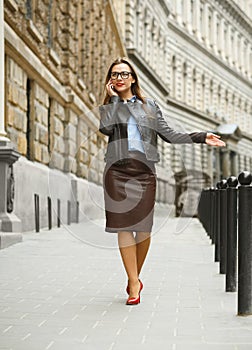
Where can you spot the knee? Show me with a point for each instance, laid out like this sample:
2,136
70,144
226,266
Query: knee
141,236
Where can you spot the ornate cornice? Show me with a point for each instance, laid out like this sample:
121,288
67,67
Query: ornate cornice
190,39
236,12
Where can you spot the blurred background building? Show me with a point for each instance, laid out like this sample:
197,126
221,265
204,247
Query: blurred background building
193,56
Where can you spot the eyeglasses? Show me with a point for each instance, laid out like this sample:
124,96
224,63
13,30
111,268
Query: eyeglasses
124,75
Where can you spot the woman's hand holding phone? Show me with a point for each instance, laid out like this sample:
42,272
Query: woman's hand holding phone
111,89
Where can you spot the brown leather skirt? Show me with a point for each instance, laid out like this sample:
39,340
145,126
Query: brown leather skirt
129,193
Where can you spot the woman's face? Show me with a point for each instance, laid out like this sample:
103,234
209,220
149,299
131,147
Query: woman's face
122,83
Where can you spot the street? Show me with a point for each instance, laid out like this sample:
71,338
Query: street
65,289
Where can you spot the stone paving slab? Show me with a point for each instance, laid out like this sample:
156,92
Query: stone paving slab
65,289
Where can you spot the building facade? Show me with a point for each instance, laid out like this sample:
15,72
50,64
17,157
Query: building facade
193,56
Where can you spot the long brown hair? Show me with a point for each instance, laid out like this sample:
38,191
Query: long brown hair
135,87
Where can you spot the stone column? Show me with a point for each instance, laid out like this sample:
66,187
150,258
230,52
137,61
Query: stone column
210,163
234,164
215,33
9,223
206,25
179,11
247,58
187,15
242,54
196,19
235,48
222,38
229,46
225,163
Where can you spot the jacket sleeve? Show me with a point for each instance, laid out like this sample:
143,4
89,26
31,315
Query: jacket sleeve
172,136
108,116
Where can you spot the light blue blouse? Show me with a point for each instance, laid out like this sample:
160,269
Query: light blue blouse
134,138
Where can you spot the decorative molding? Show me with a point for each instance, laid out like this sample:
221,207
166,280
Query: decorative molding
191,110
146,69
237,13
34,31
11,4
191,40
54,57
81,84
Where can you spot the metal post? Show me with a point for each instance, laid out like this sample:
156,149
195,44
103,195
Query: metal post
217,228
207,212
68,212
77,212
223,226
231,274
36,205
49,207
213,214
58,212
245,244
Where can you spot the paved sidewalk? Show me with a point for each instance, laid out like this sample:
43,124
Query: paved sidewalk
65,290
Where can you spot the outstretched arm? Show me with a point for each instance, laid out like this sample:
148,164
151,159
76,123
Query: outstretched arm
214,140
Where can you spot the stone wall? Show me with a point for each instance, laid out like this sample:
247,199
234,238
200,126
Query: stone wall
57,53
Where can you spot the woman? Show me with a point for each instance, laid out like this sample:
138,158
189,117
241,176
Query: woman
133,123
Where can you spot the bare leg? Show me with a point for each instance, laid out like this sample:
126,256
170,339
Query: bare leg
143,240
127,246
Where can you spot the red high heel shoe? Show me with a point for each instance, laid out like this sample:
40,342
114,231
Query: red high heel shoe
135,300
141,287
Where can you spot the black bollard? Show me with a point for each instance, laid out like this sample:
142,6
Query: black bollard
36,206
208,212
49,212
223,226
245,245
68,212
77,212
231,275
217,227
211,214
58,212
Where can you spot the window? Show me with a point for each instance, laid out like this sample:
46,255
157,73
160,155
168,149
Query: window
174,76
185,82
194,88
203,98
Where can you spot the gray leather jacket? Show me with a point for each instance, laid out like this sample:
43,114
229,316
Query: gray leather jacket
150,122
